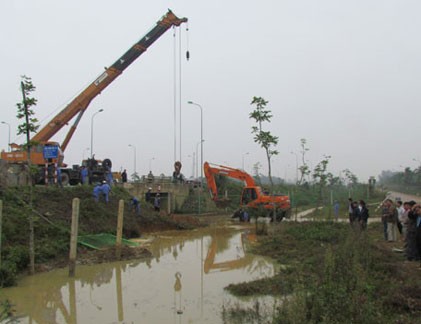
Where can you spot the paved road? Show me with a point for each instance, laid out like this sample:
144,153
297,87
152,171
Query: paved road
404,197
301,216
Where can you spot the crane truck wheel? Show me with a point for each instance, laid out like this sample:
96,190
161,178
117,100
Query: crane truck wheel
65,179
107,163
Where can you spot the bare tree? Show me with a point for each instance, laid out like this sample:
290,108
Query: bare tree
304,168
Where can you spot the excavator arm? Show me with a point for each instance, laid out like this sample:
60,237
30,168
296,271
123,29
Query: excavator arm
275,206
79,104
211,171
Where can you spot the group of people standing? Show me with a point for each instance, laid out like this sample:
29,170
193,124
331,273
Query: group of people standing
358,213
404,218
400,218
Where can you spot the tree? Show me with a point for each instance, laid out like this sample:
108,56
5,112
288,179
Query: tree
264,138
256,172
28,126
135,177
25,111
350,177
304,168
321,176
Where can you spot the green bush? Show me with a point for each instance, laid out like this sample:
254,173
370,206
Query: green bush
18,255
8,274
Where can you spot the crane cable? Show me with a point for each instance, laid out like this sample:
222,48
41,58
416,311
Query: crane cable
187,42
179,85
175,95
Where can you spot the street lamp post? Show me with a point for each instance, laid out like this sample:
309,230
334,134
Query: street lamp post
296,166
92,130
8,125
201,140
201,149
134,159
83,153
197,158
242,161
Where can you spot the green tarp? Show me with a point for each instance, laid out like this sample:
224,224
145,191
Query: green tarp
102,241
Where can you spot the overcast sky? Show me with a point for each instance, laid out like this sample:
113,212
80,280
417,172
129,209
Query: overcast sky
344,75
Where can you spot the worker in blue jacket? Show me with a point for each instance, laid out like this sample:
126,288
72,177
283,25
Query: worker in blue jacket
105,188
97,191
136,205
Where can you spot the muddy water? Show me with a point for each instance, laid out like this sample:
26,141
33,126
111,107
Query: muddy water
182,283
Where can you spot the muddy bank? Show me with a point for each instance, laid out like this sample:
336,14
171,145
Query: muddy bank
52,208
150,229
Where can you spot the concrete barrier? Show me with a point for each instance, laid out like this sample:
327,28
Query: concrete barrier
13,174
172,195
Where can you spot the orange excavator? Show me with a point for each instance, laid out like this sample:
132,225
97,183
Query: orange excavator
46,151
275,206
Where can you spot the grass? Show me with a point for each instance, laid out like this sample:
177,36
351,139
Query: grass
332,273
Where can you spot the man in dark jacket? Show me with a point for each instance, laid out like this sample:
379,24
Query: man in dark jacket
124,176
363,214
413,238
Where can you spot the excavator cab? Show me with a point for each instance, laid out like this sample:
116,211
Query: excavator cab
249,194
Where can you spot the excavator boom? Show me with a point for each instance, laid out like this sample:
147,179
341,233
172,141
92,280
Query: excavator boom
211,171
277,206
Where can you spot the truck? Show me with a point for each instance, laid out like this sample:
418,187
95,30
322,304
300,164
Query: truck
277,207
44,151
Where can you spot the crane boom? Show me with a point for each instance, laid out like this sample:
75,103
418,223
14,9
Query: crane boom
82,101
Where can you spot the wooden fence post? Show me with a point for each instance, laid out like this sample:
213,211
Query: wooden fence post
73,236
169,200
119,228
1,225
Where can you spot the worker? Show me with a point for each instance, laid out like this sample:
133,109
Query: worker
96,192
157,203
148,195
59,183
246,217
84,175
105,189
124,176
136,205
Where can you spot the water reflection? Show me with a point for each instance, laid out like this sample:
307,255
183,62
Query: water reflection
183,282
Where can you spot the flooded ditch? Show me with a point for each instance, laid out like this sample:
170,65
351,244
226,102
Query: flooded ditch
182,283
